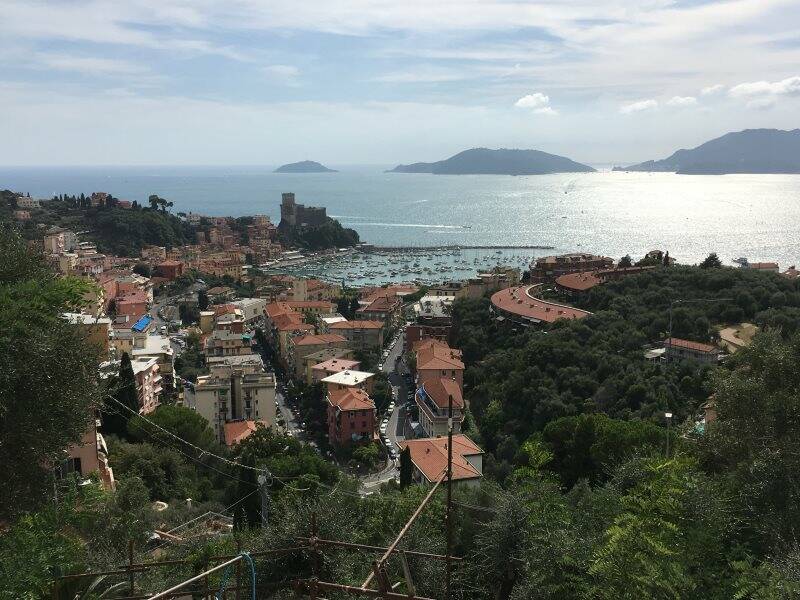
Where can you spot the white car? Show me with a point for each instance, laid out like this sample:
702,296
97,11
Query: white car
391,407
383,428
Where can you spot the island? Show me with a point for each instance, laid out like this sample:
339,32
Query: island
503,161
304,166
759,151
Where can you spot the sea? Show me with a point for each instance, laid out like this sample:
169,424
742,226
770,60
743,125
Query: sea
609,213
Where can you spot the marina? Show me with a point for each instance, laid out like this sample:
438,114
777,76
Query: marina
378,266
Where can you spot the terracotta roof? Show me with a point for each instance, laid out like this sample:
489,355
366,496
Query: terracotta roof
334,365
438,356
578,282
429,455
439,390
274,309
356,325
291,322
791,273
517,301
689,345
236,431
350,399
323,338
762,265
218,290
293,304
382,304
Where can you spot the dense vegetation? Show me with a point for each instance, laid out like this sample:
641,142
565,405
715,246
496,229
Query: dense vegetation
520,380
115,230
581,499
330,234
48,374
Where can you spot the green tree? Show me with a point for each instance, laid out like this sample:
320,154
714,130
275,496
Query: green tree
589,446
49,384
367,455
711,261
123,392
202,300
185,423
406,468
754,444
625,261
142,269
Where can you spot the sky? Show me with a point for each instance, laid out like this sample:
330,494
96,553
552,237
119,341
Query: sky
250,82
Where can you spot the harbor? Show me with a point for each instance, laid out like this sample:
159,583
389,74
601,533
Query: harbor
374,265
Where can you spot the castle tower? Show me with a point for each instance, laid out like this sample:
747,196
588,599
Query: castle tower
288,209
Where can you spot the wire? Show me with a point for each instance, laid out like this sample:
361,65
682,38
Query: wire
198,461
180,439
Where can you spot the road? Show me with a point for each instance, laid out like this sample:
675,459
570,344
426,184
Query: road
393,367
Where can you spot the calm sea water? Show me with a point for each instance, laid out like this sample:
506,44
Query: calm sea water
756,216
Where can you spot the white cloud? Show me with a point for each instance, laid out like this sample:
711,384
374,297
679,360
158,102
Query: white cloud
764,103
535,100
538,102
421,74
712,89
90,65
682,101
638,106
786,87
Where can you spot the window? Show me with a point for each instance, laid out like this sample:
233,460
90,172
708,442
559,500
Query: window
363,424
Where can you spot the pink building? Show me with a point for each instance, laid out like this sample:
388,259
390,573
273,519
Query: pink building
351,416
90,456
132,303
148,383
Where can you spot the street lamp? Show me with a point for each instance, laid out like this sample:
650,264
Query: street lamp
668,416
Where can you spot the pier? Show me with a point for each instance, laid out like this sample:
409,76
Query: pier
373,248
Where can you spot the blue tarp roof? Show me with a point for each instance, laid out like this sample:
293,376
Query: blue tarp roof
142,324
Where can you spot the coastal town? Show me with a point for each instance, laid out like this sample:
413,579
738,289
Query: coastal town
260,338
381,382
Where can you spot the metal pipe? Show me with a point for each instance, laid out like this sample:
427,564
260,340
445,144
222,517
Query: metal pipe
405,529
357,591
219,567
323,542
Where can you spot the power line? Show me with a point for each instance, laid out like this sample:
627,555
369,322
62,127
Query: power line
180,439
198,461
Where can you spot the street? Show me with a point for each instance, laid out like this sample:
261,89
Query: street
393,366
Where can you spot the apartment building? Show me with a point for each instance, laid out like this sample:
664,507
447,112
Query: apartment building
433,399
240,396
362,335
351,417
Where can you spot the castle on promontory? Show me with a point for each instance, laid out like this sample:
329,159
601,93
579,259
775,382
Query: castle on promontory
299,215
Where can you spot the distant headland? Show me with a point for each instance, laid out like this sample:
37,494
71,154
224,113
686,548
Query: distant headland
305,166
484,161
758,151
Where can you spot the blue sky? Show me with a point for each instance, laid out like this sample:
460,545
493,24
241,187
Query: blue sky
352,82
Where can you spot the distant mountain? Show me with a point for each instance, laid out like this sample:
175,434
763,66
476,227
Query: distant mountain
305,166
483,161
748,151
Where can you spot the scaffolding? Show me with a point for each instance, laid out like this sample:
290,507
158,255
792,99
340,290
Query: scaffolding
310,587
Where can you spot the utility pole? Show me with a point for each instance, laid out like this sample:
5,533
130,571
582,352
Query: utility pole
668,416
449,513
264,489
